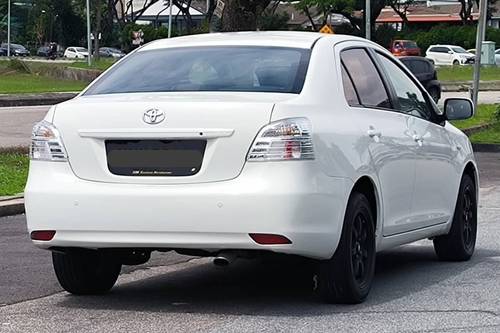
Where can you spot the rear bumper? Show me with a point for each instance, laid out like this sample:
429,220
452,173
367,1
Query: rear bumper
292,199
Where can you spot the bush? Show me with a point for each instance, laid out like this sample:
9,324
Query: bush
496,116
19,66
384,35
273,21
464,36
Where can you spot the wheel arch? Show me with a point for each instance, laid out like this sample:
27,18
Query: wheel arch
472,171
366,186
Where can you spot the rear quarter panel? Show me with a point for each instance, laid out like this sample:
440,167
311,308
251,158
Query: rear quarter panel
339,147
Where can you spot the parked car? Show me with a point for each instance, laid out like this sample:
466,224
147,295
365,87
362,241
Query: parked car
74,52
111,52
424,71
16,50
497,57
405,48
3,51
43,51
449,55
241,144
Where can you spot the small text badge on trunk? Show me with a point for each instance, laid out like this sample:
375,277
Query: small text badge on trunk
153,116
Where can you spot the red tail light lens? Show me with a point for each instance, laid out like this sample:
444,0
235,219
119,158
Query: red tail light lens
269,239
43,235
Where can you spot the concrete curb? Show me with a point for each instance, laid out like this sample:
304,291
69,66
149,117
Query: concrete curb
474,129
448,86
11,205
35,99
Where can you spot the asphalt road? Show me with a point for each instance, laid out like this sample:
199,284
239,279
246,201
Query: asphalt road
16,122
413,291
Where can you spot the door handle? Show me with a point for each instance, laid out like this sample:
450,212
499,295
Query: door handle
373,133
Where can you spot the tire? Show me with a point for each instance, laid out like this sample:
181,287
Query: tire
456,63
459,243
85,272
347,276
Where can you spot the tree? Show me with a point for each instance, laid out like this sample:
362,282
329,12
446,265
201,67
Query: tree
97,31
324,8
239,15
184,6
401,8
304,6
124,11
376,8
466,10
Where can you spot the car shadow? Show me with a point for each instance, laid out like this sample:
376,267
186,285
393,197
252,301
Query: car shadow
273,287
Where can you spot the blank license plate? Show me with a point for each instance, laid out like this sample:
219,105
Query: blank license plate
155,157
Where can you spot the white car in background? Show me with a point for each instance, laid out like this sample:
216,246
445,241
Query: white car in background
240,144
449,55
497,57
76,52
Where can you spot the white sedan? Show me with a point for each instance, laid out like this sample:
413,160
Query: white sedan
234,145
76,53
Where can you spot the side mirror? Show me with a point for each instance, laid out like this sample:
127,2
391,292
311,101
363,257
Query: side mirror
450,52
458,108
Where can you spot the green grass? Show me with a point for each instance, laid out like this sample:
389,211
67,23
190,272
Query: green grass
490,135
102,64
484,115
28,83
464,73
13,173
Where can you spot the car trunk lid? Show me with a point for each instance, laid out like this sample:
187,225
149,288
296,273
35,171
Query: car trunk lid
204,137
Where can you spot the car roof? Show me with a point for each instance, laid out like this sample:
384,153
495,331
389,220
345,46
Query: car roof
12,45
414,58
295,39
445,45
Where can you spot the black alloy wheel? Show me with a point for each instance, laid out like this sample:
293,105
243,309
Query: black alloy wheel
460,242
347,277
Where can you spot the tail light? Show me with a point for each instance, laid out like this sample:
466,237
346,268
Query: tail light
46,143
288,139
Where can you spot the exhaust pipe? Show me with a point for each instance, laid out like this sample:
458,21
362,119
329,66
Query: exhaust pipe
223,259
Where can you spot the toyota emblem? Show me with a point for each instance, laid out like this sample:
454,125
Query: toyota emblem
153,116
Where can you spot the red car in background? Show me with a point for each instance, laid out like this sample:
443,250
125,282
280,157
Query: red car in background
404,48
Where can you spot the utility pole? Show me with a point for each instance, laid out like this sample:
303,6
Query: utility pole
481,27
89,42
8,28
170,19
368,17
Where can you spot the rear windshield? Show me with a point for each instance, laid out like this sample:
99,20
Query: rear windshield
231,68
410,45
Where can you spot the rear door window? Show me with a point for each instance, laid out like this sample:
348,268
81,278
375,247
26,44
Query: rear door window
365,78
349,90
